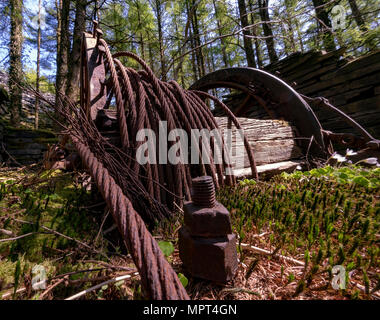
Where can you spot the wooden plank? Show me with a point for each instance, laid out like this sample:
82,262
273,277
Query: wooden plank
272,140
338,79
269,170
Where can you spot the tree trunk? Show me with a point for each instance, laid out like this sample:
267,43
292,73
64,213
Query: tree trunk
192,42
324,24
222,43
72,89
160,39
256,41
264,14
141,40
151,58
15,68
64,48
58,6
357,15
246,41
299,35
36,109
289,23
197,41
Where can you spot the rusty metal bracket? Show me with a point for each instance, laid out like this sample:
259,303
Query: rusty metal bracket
92,92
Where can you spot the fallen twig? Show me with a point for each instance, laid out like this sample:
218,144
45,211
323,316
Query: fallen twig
52,287
19,237
7,232
59,234
267,252
117,279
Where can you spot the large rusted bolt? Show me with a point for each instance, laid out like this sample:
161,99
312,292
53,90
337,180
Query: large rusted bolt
207,246
203,192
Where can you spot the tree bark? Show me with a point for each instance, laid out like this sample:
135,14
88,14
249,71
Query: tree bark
72,89
264,14
248,48
15,68
142,49
222,43
357,15
64,49
158,8
256,41
197,42
58,6
324,24
36,108
192,42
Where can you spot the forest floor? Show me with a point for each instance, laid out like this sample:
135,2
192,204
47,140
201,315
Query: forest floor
292,231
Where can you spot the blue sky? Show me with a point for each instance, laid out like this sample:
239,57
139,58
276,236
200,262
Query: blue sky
29,53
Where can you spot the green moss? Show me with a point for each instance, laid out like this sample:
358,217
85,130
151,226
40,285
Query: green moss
56,203
304,211
43,132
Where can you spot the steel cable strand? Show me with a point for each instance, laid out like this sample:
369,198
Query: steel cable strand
153,166
153,119
85,130
238,126
118,95
150,124
158,278
154,115
128,91
120,171
162,104
196,123
156,108
141,114
187,123
231,117
231,178
184,123
178,169
203,123
200,105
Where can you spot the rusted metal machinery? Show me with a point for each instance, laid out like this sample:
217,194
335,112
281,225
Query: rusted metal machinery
207,245
117,101
281,101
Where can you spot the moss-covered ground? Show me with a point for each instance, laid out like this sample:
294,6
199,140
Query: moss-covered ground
292,233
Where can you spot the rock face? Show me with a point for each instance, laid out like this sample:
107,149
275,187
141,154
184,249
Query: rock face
25,146
28,103
22,146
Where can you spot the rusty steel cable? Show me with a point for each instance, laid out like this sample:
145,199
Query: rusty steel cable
146,100
158,278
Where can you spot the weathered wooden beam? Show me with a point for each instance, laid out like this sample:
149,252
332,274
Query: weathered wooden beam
272,140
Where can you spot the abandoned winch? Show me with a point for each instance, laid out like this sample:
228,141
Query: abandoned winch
118,101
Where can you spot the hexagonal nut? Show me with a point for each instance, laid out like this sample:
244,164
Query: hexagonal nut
207,222
213,259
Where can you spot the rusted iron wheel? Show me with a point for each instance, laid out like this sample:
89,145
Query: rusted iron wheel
291,106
